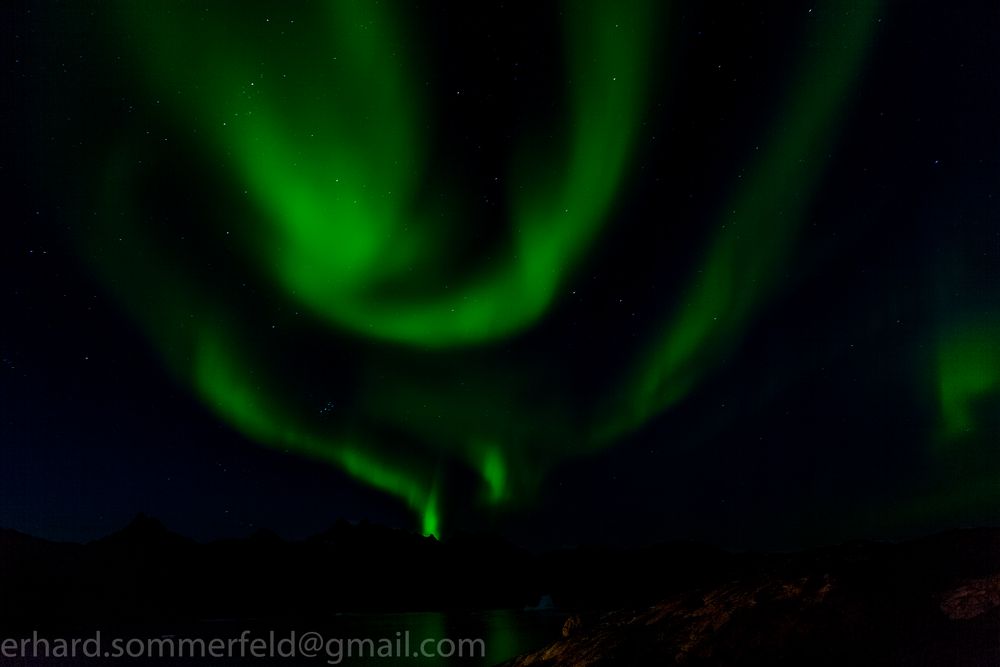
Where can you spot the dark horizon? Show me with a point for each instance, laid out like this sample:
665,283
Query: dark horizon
148,522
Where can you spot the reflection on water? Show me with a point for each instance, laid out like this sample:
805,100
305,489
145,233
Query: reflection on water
502,634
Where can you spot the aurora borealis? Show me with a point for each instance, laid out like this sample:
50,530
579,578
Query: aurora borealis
474,259
343,230
333,158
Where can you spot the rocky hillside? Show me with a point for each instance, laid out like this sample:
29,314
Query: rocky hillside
930,602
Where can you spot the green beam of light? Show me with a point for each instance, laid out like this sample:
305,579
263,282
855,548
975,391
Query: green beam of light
326,130
494,471
757,226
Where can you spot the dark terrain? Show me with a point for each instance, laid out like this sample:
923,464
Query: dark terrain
934,601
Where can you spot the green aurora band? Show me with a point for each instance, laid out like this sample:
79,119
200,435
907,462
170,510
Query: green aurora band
758,227
333,155
326,136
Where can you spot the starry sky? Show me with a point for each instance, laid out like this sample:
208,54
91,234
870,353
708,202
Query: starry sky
580,272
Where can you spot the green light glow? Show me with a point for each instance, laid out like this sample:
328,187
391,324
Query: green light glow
968,371
323,124
495,473
431,524
757,226
962,460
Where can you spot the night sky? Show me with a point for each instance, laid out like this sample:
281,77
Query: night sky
576,272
